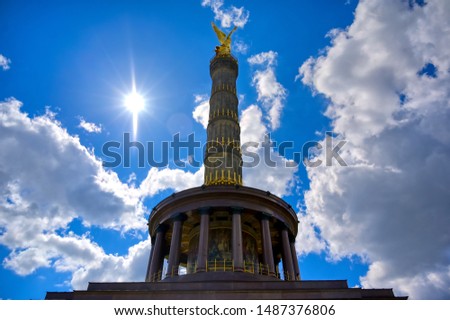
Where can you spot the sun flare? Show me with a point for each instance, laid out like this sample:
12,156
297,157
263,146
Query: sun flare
134,102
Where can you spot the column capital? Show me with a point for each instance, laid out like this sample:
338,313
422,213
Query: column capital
162,228
181,216
204,210
264,215
236,210
282,226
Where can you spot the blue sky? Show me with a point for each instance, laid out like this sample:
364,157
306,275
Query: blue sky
376,73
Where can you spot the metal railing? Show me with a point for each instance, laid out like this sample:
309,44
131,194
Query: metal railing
222,266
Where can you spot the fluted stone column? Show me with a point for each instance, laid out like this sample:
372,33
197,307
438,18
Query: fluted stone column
157,253
148,275
223,158
267,244
202,257
288,265
238,255
175,246
295,260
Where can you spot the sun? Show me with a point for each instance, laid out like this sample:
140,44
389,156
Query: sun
134,102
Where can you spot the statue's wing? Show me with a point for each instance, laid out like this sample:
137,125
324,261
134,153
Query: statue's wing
231,32
220,34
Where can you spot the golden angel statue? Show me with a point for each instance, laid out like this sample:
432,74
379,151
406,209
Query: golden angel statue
225,41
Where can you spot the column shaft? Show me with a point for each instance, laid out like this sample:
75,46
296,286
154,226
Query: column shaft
288,266
202,257
157,254
175,246
148,275
295,261
267,245
238,255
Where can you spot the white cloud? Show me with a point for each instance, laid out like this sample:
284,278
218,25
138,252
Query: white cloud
229,16
268,58
201,110
112,268
79,255
50,176
307,241
271,93
390,205
47,179
4,62
90,126
162,179
252,126
240,46
50,172
278,178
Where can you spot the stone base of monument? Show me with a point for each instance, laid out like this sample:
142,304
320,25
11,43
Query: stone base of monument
231,286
